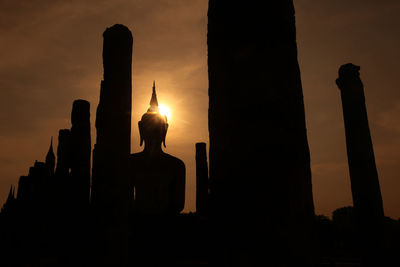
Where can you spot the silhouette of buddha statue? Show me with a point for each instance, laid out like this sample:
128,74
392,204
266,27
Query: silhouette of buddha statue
157,179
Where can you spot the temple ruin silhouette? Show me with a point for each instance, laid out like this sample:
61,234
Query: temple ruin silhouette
254,202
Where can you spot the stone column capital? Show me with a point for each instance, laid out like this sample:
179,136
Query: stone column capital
349,81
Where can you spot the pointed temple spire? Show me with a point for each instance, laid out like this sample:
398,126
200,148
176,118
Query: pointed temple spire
153,102
51,158
50,152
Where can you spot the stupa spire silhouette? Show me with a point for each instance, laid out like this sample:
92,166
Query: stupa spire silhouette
50,152
51,158
153,101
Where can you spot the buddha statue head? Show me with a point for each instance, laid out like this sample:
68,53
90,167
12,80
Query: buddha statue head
153,126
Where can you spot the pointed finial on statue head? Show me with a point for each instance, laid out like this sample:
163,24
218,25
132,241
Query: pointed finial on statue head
153,101
153,124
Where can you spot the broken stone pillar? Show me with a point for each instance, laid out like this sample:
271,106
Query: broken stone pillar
365,187
113,121
110,188
80,154
259,157
201,179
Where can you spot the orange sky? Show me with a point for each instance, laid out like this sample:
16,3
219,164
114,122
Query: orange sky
51,54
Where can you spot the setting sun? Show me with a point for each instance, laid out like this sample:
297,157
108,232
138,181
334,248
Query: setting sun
165,111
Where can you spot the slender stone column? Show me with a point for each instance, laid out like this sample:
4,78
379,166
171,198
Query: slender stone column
365,187
201,180
110,189
259,157
80,153
113,122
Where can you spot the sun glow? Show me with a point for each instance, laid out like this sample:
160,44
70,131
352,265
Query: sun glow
165,111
